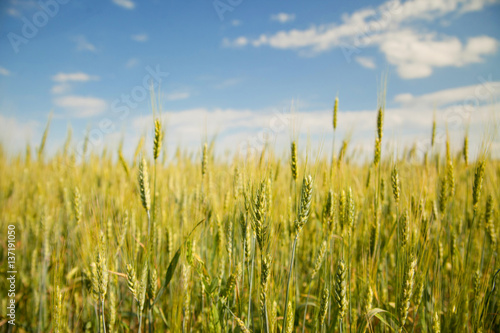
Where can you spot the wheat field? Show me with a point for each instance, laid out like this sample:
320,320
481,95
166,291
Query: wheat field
271,243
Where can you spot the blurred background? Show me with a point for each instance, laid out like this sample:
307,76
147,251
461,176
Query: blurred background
251,72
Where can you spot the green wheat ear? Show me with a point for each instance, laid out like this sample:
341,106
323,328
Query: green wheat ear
157,140
395,183
305,202
335,111
341,289
323,309
144,185
204,160
293,161
478,184
380,123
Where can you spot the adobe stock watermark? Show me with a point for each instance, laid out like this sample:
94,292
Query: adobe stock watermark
11,274
223,6
277,124
29,30
457,115
120,109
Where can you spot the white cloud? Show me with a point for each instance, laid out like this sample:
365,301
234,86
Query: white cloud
61,88
82,44
238,42
366,62
415,55
140,37
404,125
64,81
4,71
20,7
74,77
391,28
81,106
14,134
236,23
478,93
228,83
13,12
177,95
283,17
127,4
132,62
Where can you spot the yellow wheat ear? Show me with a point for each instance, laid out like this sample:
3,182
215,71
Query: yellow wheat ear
144,184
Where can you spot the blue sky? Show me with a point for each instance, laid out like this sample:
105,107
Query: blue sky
235,66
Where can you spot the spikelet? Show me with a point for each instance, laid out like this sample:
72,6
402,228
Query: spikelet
265,272
436,323
185,290
132,281
341,289
319,259
273,318
450,179
57,310
488,221
144,185
305,202
229,243
478,184
293,161
77,205
380,123
142,287
241,325
395,184
258,215
329,213
476,285
323,309
157,140
367,300
44,138
189,252
417,294
465,150
349,213
204,160
376,158
269,194
231,282
404,228
342,209
382,189
342,151
407,289
335,111
237,183
94,281
102,274
152,285
112,309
